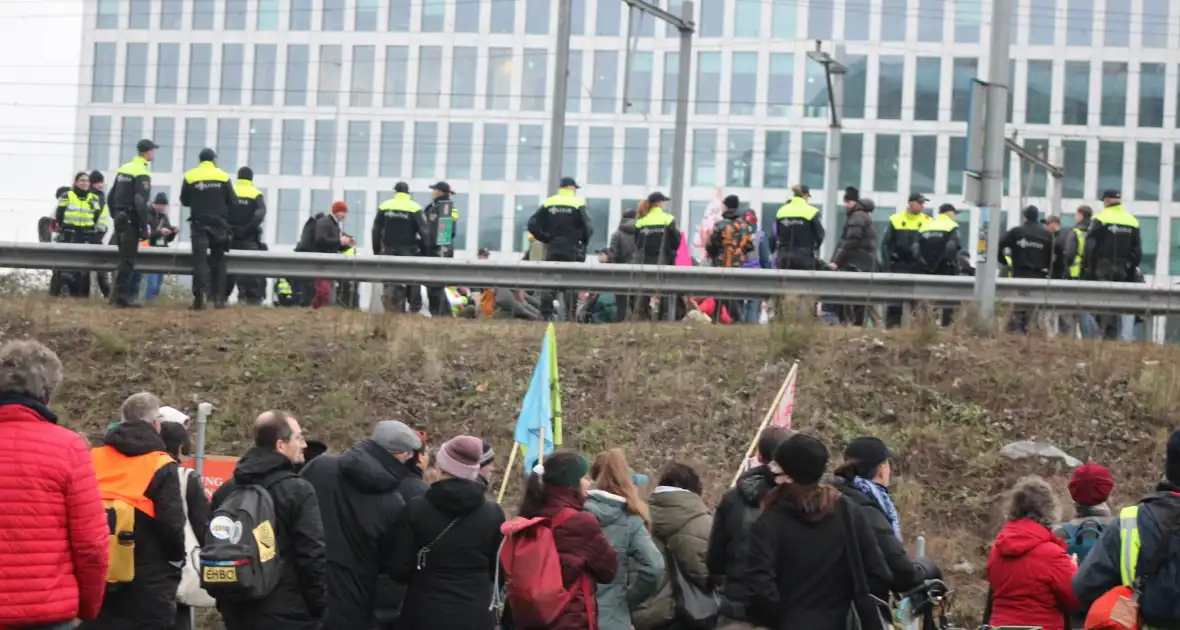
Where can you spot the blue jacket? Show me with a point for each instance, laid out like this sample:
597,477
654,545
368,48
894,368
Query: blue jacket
641,564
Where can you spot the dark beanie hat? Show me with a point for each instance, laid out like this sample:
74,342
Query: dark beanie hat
802,458
246,173
565,468
851,194
95,177
731,202
1172,458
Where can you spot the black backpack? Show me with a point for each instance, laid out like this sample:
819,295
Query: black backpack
240,560
307,235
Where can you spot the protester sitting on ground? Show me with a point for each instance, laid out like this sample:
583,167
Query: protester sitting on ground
59,573
1028,570
136,473
297,602
196,504
800,559
446,544
359,502
680,525
515,305
864,478
560,484
729,538
625,519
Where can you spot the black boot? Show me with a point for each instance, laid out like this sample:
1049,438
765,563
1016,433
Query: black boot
198,302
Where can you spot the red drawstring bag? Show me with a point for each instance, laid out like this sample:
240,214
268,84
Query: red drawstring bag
532,572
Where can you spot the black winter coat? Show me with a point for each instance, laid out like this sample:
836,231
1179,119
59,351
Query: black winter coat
149,601
906,573
800,575
454,587
357,493
729,540
298,601
389,593
858,243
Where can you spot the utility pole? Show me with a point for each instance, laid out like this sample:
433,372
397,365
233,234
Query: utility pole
834,71
561,64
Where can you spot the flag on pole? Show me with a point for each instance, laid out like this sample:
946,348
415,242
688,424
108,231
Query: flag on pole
534,425
554,384
786,406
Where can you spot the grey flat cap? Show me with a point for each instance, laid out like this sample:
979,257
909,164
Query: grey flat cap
396,437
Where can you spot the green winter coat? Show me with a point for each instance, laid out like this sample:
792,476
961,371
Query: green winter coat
641,566
680,525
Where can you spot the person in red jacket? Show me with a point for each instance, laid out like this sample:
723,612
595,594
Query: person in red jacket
1028,570
47,488
562,482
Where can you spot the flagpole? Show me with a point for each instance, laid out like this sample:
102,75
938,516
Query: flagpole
507,474
765,421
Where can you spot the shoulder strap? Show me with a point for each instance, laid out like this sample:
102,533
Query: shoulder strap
563,515
856,563
184,475
1171,526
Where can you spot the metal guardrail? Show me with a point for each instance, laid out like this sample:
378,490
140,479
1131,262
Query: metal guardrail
1126,298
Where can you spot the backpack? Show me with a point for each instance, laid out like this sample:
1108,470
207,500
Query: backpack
532,572
1081,537
736,240
121,543
240,560
307,235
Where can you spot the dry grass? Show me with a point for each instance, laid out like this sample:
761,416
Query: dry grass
944,400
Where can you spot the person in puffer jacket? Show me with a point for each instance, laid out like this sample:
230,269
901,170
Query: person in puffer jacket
730,537
615,501
680,524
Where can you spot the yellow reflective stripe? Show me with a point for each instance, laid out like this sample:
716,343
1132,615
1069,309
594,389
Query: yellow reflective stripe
906,221
565,200
796,208
1130,543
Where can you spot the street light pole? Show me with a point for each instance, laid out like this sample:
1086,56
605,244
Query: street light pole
834,71
560,90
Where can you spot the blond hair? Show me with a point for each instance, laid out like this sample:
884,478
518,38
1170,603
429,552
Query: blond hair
611,473
797,190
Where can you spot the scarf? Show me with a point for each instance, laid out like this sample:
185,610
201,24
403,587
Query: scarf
881,496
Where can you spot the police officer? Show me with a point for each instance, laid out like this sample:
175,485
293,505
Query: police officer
799,231
75,219
129,202
656,241
284,294
1075,241
897,246
399,229
1030,250
441,217
561,223
937,248
1113,251
209,195
102,225
245,223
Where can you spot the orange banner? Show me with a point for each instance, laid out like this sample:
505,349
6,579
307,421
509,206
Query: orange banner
218,470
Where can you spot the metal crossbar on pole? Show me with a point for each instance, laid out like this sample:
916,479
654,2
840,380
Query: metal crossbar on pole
838,287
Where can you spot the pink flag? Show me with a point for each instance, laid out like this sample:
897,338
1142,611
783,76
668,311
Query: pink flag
786,406
683,258
705,229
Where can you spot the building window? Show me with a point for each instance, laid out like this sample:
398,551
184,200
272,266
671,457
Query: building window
529,155
775,170
813,160
332,18
295,88
1117,23
1114,93
526,205
429,71
739,160
200,64
163,133
645,23
930,20
747,18
463,77
460,139
291,148
1074,181
599,211
852,146
265,64
107,15
536,17
819,19
491,221
635,152
289,223
139,14
893,20
1149,235
889,87
712,18
964,75
399,16
195,134
357,158
573,97
495,152
1155,25
780,86
1148,165
1039,94
203,15
396,69
171,15
300,16
98,151
1076,109
331,68
570,161
364,60
135,73
1176,177
606,19
1110,166
365,19
434,15
258,151
102,88
856,20
227,144
639,83
1151,95
467,21
926,87
967,20
604,90
855,83
425,149
235,15
955,165
600,166
535,79
743,92
1042,21
783,19
704,157
815,91
391,149
500,67
354,223
667,144
923,162
232,58
503,16
1079,22
1034,179
885,164
671,82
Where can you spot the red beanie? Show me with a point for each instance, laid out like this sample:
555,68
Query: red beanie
1091,484
339,206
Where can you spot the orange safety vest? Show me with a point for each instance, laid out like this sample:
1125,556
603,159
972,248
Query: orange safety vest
127,478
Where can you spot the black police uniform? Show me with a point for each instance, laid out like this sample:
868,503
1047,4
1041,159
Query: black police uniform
245,222
435,293
561,223
208,193
128,199
400,229
1031,252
